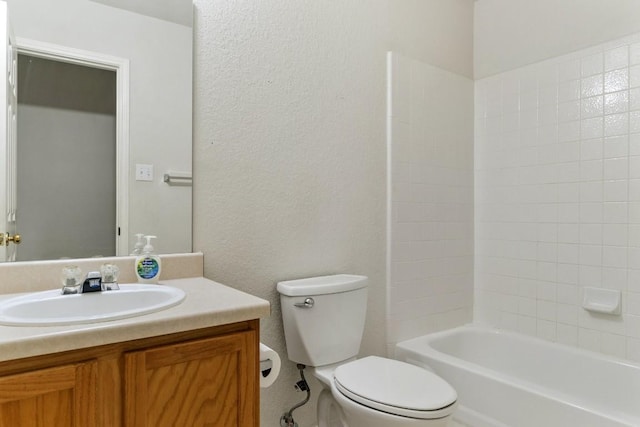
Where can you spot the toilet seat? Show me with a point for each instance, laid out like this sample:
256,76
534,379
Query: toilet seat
395,387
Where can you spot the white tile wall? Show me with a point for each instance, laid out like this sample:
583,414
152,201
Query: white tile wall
431,199
557,201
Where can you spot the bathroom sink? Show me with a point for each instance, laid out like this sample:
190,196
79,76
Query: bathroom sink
49,308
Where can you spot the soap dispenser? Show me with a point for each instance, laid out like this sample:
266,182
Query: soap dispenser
137,249
148,264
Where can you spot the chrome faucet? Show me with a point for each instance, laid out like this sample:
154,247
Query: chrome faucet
92,283
96,281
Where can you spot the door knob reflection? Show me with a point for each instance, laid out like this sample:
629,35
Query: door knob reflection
16,238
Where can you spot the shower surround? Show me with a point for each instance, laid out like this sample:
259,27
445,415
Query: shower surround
557,196
430,187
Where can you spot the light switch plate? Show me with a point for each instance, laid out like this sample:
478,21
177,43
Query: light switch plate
144,172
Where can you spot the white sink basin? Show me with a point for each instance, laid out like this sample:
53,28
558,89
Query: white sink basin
52,308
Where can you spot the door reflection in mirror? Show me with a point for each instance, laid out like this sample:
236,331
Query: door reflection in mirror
66,157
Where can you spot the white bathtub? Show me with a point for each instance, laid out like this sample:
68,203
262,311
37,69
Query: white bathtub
508,379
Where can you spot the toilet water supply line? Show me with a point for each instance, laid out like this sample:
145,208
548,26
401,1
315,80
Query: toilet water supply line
287,418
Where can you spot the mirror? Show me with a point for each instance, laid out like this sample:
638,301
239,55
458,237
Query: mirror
153,39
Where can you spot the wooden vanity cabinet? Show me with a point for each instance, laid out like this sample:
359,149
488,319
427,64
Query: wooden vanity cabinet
207,377
199,383
54,397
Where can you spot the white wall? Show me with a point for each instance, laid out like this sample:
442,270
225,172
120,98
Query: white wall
431,196
290,152
512,33
558,196
65,162
437,32
160,99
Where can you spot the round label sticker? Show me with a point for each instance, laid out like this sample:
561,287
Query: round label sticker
148,268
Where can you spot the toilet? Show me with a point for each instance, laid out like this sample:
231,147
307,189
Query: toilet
323,324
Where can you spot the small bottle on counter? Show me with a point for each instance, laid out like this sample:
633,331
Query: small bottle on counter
148,264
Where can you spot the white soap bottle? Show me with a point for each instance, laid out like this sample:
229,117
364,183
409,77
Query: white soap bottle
148,264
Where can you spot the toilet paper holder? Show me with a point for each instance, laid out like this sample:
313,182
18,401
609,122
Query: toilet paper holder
270,364
265,367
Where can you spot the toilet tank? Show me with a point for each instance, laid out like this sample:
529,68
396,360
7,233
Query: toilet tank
323,317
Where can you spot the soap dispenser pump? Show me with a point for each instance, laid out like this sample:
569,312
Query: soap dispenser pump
137,249
148,264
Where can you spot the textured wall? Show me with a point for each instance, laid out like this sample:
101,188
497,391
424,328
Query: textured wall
289,153
289,156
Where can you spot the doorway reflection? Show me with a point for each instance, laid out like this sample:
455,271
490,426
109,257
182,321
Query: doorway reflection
66,179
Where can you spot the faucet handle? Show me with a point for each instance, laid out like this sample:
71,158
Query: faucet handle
71,279
109,274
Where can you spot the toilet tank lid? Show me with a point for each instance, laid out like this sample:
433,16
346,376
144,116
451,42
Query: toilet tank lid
322,285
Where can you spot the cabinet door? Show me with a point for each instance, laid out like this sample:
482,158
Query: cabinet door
210,382
56,397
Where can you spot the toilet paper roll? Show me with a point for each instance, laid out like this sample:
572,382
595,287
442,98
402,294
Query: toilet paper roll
269,366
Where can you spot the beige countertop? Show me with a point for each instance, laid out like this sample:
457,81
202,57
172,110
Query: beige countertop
207,304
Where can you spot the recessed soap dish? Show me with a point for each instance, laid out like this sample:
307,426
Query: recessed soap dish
602,300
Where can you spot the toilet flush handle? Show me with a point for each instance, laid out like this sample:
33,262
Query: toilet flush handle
308,303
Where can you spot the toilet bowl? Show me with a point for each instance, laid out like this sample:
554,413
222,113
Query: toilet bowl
324,320
379,392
